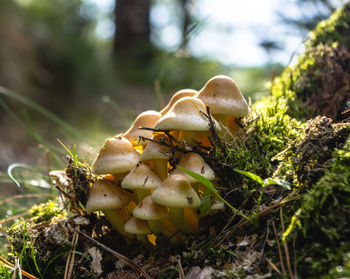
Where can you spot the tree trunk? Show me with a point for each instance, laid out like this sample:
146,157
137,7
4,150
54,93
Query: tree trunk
132,36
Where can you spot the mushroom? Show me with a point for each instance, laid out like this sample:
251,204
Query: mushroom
106,196
187,116
116,156
138,227
194,162
178,95
146,119
157,155
177,194
141,179
225,101
156,215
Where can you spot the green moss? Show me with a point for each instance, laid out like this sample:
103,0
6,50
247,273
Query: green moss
304,162
46,211
334,31
323,243
269,131
320,76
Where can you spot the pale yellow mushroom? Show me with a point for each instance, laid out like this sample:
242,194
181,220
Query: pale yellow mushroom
178,95
225,101
177,194
116,156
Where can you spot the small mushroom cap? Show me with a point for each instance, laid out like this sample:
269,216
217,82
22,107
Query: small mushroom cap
223,96
148,210
117,155
146,119
137,226
176,192
194,162
186,114
141,177
154,150
178,95
105,194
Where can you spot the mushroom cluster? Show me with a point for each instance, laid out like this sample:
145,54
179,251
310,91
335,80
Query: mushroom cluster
137,189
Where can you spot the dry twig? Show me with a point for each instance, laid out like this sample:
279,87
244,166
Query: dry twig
121,257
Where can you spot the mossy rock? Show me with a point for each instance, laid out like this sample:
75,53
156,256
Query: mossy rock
319,83
323,242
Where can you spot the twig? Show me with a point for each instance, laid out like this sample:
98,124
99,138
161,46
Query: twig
214,132
121,257
70,259
181,271
265,241
278,247
167,132
229,223
285,246
274,267
9,265
244,222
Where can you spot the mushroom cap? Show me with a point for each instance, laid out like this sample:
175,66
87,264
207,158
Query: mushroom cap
223,96
176,192
105,194
146,119
194,162
186,115
178,95
141,177
148,210
154,150
117,155
137,226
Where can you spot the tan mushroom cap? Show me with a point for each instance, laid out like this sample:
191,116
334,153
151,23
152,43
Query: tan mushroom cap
154,150
186,114
178,95
117,155
223,96
148,210
176,192
141,177
194,162
137,226
105,194
146,119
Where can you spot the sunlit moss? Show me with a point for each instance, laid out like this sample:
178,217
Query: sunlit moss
46,211
325,214
307,86
270,130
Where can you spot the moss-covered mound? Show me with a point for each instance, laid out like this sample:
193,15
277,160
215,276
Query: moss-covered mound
319,84
323,243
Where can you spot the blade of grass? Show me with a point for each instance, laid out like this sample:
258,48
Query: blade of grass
9,265
33,105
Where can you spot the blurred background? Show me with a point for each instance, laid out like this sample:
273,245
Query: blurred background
82,70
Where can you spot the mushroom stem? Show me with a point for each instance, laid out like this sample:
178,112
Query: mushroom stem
143,238
177,217
141,194
188,136
117,219
161,168
223,119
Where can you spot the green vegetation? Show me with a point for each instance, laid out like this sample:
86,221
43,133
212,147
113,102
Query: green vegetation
275,143
319,78
323,239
